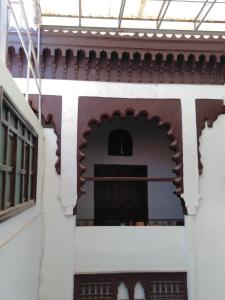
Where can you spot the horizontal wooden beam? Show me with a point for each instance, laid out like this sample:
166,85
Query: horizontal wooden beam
154,179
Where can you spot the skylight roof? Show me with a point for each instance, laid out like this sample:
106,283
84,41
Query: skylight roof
151,16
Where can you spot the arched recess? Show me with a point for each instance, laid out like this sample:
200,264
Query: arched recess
120,143
122,292
166,112
139,292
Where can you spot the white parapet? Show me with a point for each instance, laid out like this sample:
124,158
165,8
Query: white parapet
129,249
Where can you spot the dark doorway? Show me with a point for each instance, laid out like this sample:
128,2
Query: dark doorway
122,201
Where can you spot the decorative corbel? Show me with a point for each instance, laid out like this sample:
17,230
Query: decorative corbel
51,114
207,111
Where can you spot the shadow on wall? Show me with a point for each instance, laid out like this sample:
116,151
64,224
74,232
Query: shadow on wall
129,175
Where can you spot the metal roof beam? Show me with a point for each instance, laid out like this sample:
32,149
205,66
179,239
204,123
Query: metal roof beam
142,7
80,12
122,6
132,19
134,30
162,12
200,11
205,15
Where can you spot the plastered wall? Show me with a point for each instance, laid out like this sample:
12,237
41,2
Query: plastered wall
210,221
203,249
21,237
129,249
58,255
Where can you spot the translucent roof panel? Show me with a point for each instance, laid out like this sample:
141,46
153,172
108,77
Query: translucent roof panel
29,11
187,10
101,8
149,16
104,23
177,25
58,7
61,21
217,12
139,24
132,9
151,9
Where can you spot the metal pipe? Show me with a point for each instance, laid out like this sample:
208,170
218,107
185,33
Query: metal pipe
38,60
28,71
80,11
159,14
163,15
129,19
205,15
132,19
199,13
24,46
123,3
29,35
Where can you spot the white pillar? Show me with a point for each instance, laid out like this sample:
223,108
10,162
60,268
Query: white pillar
3,29
191,189
191,257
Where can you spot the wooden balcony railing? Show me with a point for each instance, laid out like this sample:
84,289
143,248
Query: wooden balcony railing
154,222
156,286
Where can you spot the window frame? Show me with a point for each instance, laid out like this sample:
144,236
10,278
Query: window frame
19,163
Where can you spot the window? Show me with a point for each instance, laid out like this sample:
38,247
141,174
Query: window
120,143
18,161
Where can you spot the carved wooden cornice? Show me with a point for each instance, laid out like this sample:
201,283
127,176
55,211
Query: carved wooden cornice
91,110
207,111
125,59
51,112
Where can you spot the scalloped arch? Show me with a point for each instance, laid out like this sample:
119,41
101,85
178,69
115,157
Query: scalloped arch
166,112
207,111
51,109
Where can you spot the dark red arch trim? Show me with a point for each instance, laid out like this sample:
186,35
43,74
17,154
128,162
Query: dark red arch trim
207,111
51,110
166,111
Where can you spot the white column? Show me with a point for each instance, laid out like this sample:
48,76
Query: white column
190,156
191,189
3,29
191,257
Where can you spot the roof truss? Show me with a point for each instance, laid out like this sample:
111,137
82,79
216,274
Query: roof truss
207,20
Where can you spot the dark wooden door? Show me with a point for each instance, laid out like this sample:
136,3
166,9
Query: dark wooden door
120,202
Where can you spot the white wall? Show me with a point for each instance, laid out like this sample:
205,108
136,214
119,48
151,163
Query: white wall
20,259
3,29
150,148
57,267
150,249
21,237
210,220
71,90
204,254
